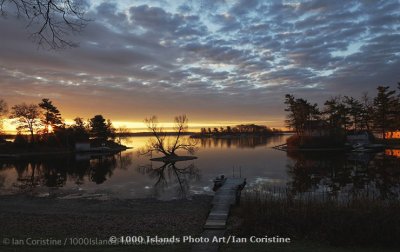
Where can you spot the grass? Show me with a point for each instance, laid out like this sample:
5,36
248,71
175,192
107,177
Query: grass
293,247
300,246
360,221
296,247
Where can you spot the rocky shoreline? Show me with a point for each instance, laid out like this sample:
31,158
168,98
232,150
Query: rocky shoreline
23,216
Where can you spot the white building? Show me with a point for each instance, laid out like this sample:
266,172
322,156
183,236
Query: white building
82,146
363,137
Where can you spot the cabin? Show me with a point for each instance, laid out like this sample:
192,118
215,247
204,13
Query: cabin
361,137
392,135
82,146
392,152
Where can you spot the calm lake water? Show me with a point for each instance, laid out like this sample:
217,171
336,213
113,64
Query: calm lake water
126,175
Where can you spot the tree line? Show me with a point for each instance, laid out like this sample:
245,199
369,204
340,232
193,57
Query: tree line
44,123
346,113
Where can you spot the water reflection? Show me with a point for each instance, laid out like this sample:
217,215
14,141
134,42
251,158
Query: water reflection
368,174
57,171
393,152
170,176
167,180
237,142
125,175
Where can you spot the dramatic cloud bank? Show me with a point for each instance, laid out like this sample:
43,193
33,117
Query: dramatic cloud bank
215,60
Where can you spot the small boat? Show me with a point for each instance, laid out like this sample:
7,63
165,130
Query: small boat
359,147
362,149
218,182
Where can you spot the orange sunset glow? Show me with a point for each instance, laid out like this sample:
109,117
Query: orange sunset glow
138,59
140,126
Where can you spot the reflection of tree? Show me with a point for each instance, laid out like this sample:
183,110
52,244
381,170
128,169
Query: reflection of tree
101,168
50,172
28,174
2,180
55,171
240,142
169,175
386,174
124,161
357,174
79,171
313,170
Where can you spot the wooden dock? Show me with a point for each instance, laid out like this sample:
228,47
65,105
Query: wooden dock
281,147
226,195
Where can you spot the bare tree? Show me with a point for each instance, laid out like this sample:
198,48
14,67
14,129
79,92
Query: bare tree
167,145
52,21
367,111
3,112
27,116
121,132
169,175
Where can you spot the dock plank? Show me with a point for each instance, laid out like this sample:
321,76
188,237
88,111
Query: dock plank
215,225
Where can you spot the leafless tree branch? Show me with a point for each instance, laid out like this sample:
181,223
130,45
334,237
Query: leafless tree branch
168,146
52,21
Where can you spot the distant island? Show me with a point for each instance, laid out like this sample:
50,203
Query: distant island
242,130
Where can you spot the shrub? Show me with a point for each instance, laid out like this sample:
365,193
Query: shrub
21,141
358,221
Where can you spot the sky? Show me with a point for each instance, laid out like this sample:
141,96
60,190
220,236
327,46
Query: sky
219,62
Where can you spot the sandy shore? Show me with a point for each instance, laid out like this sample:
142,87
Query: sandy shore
25,216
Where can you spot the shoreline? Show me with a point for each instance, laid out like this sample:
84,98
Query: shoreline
40,150
24,216
59,152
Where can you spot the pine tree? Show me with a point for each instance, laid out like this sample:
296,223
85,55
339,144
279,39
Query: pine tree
384,109
51,118
101,128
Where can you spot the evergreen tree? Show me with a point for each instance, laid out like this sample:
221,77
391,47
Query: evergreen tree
367,112
396,111
100,128
300,113
354,109
51,117
80,130
384,110
336,114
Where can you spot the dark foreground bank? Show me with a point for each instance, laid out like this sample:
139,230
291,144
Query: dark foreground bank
315,223
24,217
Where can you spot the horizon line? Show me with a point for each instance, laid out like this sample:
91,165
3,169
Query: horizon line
136,126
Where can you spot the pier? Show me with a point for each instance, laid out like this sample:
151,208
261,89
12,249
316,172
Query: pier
227,193
281,147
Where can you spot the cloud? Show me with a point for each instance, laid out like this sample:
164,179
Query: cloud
234,58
